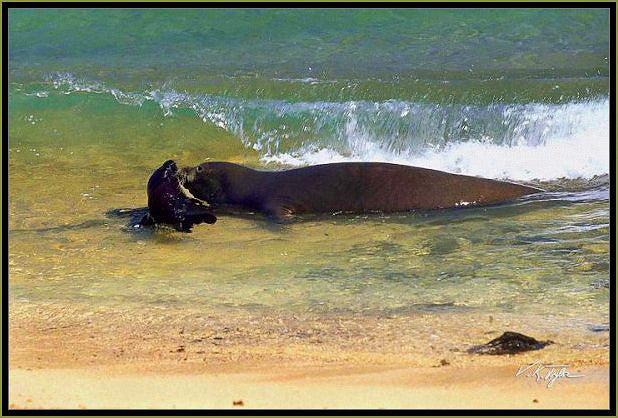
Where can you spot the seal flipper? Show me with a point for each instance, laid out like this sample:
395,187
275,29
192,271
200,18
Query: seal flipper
193,213
196,212
146,220
278,213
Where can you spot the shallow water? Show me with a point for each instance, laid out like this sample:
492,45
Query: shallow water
540,256
83,142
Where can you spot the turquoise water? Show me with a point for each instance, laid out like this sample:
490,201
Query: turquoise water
314,43
98,99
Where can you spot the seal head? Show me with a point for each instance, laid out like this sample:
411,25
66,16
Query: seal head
169,203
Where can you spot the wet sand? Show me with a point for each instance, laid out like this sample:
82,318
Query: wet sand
160,358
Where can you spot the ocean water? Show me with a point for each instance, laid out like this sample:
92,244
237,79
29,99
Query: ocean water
98,99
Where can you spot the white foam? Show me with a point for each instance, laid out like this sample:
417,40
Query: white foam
578,147
71,84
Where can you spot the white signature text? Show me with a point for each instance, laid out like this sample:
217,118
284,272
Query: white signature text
548,373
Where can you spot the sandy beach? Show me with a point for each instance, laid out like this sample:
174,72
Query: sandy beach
168,360
408,388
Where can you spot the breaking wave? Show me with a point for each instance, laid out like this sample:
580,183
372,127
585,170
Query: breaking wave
517,141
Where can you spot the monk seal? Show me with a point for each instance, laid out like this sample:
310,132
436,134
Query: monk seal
352,187
169,204
185,197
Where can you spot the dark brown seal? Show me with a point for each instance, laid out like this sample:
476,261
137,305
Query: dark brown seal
342,187
169,204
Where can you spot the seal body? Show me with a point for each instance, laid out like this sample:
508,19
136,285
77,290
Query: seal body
356,187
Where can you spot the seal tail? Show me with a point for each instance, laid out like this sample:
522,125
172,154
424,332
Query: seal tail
488,191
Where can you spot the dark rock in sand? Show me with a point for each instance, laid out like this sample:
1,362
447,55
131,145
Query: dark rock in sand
509,343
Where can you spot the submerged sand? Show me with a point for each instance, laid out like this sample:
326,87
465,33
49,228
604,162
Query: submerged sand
136,357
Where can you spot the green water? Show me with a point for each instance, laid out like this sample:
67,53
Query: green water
310,43
99,99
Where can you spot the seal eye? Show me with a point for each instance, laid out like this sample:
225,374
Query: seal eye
199,169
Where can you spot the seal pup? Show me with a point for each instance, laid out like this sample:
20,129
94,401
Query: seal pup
169,203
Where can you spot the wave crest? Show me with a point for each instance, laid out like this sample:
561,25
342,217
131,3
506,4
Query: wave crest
499,140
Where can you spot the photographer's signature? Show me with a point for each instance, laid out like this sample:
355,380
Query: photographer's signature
548,373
